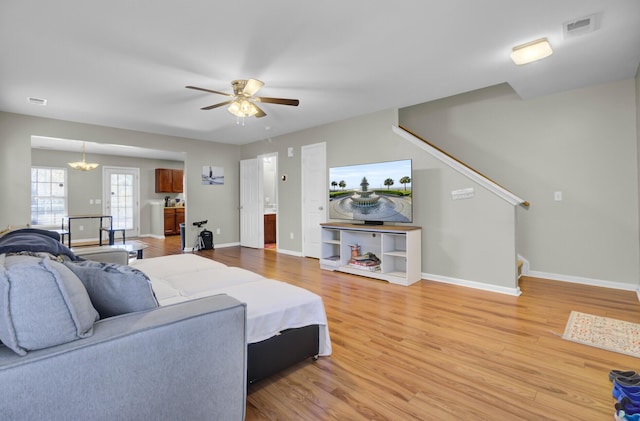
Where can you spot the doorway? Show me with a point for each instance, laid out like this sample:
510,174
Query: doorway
121,198
270,199
259,201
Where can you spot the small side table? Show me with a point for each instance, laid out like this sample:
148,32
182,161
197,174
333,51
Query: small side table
136,247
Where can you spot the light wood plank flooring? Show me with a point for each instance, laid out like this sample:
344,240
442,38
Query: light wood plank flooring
433,351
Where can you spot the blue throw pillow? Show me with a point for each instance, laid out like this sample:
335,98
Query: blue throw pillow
115,289
42,304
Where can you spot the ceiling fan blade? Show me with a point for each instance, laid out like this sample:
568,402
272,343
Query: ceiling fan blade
211,107
207,90
260,112
252,86
281,101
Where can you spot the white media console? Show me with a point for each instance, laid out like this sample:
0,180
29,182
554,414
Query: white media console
397,247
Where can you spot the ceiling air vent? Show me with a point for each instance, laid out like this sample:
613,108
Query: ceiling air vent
36,101
579,26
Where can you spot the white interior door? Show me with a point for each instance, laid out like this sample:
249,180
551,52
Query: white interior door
251,209
122,198
314,197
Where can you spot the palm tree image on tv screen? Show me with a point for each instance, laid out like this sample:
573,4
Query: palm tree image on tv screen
374,193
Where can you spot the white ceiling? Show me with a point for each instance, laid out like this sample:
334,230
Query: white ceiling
125,64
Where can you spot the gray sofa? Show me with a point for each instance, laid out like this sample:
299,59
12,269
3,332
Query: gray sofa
182,361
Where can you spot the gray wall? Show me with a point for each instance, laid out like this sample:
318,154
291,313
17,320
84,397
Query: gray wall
466,240
85,186
218,204
360,140
581,142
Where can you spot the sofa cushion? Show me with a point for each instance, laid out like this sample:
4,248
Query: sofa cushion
115,289
42,304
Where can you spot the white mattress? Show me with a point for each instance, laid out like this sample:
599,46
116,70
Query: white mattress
272,306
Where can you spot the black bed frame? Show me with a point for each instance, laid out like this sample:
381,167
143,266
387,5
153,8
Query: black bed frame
275,354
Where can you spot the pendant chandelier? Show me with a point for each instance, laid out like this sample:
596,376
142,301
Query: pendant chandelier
83,165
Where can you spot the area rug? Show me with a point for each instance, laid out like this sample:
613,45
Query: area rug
603,332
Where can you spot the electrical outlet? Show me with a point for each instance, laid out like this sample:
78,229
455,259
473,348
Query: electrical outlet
217,230
91,201
98,201
291,235
81,227
557,196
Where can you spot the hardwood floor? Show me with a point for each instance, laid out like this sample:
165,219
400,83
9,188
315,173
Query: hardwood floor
434,351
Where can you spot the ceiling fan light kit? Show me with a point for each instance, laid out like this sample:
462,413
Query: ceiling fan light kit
242,108
531,51
243,103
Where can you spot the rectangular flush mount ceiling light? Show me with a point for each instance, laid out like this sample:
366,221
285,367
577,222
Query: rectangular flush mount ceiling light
531,51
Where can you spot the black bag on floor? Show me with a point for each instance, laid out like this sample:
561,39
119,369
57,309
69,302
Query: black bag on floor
207,239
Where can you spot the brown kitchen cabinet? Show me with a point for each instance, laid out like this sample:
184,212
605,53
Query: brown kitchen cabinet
169,180
173,217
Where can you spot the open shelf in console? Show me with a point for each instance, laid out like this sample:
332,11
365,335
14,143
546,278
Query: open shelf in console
330,247
394,254
397,247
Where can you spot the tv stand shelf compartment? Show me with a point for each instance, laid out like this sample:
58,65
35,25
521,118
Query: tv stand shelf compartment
397,246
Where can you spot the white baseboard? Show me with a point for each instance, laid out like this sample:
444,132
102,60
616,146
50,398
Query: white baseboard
585,281
87,240
526,271
215,246
472,284
157,237
223,245
289,252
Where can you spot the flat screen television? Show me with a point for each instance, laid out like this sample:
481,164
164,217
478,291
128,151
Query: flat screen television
372,193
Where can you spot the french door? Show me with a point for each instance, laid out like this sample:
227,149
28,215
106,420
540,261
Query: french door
122,198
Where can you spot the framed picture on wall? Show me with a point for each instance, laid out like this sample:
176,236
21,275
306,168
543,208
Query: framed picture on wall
212,175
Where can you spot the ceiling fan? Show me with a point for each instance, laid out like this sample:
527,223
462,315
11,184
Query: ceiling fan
243,102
